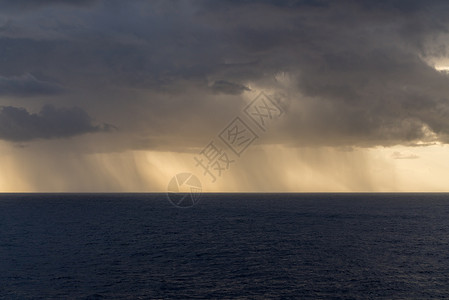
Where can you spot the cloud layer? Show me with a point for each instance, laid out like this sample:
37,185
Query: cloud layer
355,73
27,85
18,125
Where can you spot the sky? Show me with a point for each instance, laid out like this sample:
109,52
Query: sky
120,96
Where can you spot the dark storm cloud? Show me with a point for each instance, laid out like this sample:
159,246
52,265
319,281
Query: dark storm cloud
358,70
29,4
358,67
27,85
18,125
226,87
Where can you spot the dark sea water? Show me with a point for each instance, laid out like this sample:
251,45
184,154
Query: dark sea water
254,246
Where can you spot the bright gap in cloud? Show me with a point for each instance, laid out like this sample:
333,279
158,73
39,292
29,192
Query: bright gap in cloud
442,68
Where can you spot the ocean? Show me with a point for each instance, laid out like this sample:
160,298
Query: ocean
229,246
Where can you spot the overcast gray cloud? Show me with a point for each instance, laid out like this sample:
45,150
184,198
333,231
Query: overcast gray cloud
226,87
18,125
27,85
358,71
30,4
